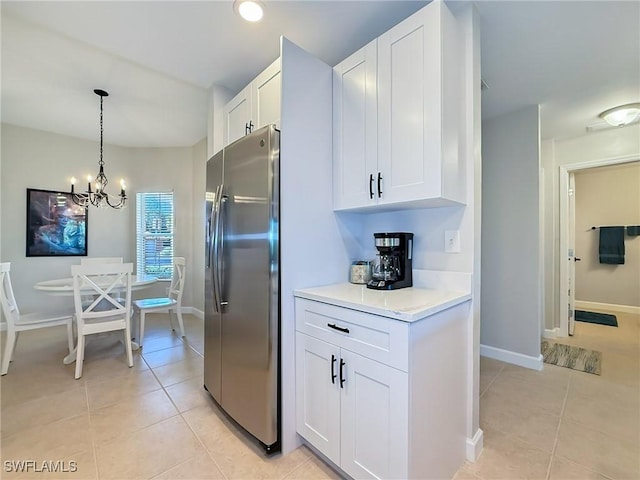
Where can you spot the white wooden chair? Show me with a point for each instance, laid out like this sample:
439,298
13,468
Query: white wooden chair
105,313
17,323
171,303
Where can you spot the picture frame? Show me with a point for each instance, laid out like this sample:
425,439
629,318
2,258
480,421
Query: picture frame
56,226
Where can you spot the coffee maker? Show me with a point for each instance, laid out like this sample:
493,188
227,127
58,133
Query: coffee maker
393,271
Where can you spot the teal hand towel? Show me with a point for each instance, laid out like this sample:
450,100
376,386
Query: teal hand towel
633,230
611,247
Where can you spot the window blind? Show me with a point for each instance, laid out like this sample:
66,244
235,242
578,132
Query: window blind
154,234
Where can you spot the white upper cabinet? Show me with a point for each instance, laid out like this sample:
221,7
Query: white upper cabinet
257,105
355,149
417,92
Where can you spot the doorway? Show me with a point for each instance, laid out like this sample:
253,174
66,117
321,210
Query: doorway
566,306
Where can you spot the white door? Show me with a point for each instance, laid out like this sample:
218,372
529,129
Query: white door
237,114
374,418
266,97
318,394
355,146
571,254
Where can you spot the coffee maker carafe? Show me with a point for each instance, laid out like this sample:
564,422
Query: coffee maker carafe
393,270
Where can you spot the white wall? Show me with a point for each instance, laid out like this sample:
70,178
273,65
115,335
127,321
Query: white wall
36,159
594,147
511,291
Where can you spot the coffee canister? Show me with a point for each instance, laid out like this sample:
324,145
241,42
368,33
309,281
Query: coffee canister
361,271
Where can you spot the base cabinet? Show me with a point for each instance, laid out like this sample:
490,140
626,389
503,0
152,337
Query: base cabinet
352,409
382,398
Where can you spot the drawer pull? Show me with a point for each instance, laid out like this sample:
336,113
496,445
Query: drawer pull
335,327
333,375
341,375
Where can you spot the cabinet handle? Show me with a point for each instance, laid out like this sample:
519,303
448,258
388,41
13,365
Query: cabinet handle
333,375
335,327
250,126
246,128
371,186
379,185
342,364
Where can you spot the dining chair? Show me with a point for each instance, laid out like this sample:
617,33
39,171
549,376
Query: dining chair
106,313
17,322
172,303
94,260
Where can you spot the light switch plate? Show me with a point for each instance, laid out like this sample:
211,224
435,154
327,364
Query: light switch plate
452,241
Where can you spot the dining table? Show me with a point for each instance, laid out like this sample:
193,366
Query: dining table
64,287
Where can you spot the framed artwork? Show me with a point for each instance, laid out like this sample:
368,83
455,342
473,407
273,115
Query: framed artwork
56,227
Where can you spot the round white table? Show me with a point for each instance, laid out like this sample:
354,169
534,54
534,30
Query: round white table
64,287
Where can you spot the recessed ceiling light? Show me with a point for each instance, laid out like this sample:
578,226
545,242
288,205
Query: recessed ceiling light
250,10
622,115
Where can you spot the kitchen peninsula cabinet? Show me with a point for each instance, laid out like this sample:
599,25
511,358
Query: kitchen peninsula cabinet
256,105
405,151
380,389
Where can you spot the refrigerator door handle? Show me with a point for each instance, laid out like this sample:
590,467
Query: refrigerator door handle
215,248
220,259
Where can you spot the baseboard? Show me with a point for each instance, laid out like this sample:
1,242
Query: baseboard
551,332
582,305
193,311
534,363
474,446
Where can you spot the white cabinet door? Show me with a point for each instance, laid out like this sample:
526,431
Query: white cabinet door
237,114
355,115
266,97
374,417
318,394
418,101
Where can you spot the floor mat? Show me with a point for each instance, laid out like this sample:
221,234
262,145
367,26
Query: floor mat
575,358
594,317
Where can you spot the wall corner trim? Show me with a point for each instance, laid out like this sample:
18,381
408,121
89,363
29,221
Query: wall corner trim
527,361
474,446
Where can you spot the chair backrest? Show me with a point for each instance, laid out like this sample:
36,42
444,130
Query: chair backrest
178,278
9,305
110,286
93,260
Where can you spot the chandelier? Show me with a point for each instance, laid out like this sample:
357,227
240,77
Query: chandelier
99,197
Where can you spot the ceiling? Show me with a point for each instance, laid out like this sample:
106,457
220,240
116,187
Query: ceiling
157,59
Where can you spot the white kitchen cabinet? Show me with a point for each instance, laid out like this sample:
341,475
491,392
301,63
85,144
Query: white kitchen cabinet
380,397
256,105
355,147
417,91
351,408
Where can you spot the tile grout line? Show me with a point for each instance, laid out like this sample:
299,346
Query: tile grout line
555,440
164,389
93,440
492,381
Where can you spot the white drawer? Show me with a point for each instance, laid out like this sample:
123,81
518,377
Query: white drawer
379,338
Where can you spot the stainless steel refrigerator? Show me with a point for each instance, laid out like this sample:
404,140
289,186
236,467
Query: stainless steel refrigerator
242,284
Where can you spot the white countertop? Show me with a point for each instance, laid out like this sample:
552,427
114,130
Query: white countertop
406,304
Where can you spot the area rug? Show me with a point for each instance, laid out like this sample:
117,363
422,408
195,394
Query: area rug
594,317
575,358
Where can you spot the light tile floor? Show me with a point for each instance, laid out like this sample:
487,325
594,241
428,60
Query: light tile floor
155,420
560,423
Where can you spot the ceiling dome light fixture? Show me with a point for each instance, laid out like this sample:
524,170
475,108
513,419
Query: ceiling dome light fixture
98,197
250,10
622,115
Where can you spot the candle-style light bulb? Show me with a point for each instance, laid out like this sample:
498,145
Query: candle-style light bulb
73,183
122,187
89,183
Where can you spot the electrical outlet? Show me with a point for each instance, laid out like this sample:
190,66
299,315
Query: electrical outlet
452,241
